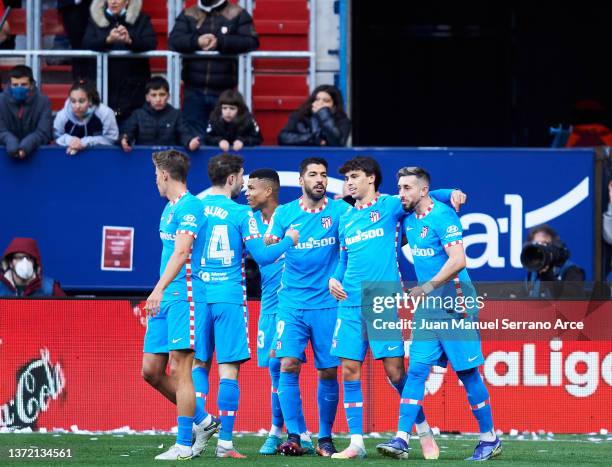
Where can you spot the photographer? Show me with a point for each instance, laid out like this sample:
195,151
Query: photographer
550,272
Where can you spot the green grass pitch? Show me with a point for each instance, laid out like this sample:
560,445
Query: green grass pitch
126,449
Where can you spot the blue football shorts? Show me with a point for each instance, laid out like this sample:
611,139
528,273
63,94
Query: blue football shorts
224,331
295,327
173,328
354,334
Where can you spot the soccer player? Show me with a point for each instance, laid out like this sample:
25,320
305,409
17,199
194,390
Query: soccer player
262,195
231,228
306,311
176,301
434,228
368,235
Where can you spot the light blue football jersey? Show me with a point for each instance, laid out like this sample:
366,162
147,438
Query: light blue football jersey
270,275
184,215
370,234
428,235
229,225
309,264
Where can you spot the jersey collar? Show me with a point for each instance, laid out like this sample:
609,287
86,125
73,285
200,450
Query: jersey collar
364,206
428,209
172,203
312,211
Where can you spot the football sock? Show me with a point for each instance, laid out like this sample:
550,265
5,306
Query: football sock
227,401
353,406
478,397
183,436
200,384
327,398
412,396
277,413
290,400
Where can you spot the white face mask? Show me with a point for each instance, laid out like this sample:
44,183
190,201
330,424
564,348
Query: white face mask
24,269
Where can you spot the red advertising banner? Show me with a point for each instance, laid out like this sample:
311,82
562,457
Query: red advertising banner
78,362
117,248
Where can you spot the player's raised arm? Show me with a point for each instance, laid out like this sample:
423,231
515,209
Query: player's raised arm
182,250
265,255
455,197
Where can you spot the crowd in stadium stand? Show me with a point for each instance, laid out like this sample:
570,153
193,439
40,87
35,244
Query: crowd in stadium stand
213,112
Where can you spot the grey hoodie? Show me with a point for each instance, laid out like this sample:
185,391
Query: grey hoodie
100,128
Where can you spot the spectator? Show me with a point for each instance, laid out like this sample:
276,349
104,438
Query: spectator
75,14
157,123
320,121
550,274
22,272
120,25
5,29
210,25
25,114
588,127
231,124
84,121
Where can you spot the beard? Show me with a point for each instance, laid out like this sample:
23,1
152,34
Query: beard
409,206
312,195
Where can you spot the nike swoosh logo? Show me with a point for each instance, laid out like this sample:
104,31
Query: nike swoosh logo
293,226
409,228
392,348
348,224
174,341
471,359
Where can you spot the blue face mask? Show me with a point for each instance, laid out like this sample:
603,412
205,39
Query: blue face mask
89,112
19,93
121,13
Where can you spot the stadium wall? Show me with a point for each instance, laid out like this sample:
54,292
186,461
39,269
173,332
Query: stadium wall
75,365
67,202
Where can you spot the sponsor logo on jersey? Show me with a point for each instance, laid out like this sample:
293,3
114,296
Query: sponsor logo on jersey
422,251
326,222
374,216
452,229
313,243
424,231
167,236
253,230
189,220
367,235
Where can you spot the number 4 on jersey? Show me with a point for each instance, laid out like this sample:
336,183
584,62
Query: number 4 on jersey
219,245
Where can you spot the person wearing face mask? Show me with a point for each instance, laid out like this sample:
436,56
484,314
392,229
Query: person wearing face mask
22,273
25,114
121,25
84,121
210,25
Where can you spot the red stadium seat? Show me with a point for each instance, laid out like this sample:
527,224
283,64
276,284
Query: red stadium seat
57,93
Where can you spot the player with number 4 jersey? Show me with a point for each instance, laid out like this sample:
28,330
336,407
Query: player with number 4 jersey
231,230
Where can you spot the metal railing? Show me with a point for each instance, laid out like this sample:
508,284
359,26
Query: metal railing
33,53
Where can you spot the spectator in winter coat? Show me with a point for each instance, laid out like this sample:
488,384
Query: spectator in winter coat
22,272
84,121
210,25
231,124
25,114
120,25
157,123
320,121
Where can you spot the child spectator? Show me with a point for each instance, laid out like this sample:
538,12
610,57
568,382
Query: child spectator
84,121
157,123
231,124
320,121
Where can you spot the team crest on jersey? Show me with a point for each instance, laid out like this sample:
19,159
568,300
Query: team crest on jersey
424,231
374,216
326,222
